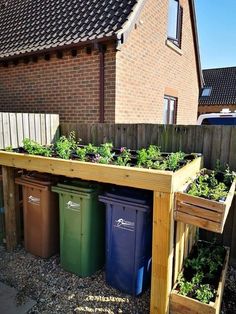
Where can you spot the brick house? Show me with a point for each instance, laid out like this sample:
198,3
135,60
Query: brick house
122,61
219,90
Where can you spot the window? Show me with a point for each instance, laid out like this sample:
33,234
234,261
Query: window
175,22
170,110
206,91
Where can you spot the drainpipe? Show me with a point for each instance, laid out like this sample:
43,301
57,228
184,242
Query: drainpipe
102,49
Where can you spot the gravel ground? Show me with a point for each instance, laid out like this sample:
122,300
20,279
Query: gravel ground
57,291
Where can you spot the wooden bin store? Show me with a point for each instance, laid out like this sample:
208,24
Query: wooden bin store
163,184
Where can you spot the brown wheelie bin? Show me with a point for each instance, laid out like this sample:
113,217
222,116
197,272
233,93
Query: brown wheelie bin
41,215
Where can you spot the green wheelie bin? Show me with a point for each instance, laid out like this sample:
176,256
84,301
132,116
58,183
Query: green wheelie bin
82,227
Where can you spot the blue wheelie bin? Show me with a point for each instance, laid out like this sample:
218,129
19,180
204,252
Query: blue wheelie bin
128,239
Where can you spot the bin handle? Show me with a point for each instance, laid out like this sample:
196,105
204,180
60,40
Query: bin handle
73,205
34,200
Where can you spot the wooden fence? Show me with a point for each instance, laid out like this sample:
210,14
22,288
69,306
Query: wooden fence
14,127
214,142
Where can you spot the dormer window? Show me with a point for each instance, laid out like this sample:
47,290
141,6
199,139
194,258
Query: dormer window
206,91
175,22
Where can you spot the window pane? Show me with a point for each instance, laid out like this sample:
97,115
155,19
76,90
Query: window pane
165,111
172,111
173,19
206,91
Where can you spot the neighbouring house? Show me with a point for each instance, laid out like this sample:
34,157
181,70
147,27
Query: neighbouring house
219,91
121,61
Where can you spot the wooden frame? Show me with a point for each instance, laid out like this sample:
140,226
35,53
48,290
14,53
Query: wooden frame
206,214
162,183
180,304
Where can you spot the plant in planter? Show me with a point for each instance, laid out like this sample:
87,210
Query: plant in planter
124,157
174,160
206,201
34,148
81,153
64,146
104,154
200,284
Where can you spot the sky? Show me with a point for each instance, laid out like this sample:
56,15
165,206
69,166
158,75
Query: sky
216,22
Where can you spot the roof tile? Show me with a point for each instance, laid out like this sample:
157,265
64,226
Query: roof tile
29,25
223,86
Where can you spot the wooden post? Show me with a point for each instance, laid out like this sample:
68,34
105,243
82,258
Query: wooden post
162,252
11,213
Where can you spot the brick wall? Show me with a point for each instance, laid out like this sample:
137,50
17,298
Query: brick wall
146,69
68,86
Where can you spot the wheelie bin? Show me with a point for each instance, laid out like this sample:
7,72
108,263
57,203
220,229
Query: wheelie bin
128,239
41,214
82,227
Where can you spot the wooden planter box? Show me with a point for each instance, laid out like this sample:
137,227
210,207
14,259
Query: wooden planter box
180,304
206,214
162,183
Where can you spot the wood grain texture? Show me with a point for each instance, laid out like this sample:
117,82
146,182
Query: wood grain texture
162,252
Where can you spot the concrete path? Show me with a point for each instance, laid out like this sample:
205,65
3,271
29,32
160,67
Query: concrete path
8,301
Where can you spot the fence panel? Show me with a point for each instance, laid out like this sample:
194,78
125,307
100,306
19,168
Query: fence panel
14,127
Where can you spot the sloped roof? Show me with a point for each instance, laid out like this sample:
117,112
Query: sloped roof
222,82
31,25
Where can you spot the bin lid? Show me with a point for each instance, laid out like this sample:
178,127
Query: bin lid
136,196
37,179
78,186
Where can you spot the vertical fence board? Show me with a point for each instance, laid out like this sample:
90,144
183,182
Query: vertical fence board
37,122
14,127
20,133
13,130
6,130
26,125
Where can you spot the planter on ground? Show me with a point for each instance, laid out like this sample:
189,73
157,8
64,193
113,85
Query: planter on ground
202,212
180,304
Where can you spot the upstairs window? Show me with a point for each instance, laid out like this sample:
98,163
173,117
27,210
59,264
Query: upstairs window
206,91
175,22
170,110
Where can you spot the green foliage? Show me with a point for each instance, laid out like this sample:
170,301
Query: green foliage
204,293
104,154
65,145
34,148
81,153
9,149
124,157
174,159
204,266
207,186
91,149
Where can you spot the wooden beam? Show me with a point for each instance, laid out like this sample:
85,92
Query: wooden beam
162,252
11,213
126,176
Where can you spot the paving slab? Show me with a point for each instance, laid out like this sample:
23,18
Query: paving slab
8,304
